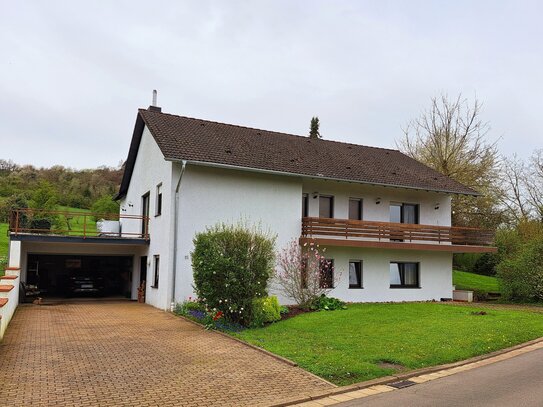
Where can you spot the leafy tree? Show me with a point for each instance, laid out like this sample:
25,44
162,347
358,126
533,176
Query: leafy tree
45,197
451,138
314,132
106,206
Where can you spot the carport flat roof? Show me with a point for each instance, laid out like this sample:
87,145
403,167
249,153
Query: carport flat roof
108,240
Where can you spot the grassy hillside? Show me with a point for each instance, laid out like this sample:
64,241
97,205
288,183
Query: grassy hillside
476,282
3,239
76,223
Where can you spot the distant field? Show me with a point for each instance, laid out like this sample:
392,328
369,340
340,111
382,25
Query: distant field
77,222
471,281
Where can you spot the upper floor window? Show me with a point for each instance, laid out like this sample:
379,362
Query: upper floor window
158,210
404,275
305,205
355,209
326,206
404,213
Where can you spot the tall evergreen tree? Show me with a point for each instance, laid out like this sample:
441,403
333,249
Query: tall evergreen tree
314,128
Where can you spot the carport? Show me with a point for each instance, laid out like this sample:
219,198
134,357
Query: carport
70,266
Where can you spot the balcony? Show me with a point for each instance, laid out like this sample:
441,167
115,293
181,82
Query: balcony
361,233
79,224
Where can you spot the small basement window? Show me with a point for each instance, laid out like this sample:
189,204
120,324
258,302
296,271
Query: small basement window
327,273
355,274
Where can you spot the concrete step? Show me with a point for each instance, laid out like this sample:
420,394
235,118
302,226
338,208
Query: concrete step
6,288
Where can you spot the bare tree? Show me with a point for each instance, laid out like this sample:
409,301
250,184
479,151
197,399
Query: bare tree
303,273
451,138
523,187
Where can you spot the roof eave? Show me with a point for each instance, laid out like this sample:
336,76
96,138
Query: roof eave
291,174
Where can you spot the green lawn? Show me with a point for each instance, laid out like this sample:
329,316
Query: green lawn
471,281
347,346
76,223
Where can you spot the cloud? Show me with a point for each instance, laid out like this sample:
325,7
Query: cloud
73,73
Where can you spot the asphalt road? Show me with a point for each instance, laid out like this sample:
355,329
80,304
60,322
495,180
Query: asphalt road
516,382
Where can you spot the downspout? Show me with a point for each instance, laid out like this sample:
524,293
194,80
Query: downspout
175,227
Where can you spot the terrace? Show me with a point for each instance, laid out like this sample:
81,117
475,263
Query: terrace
59,225
361,233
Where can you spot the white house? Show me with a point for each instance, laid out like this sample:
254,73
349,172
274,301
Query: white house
384,218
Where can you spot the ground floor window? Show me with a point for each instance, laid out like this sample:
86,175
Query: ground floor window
355,274
156,270
404,275
327,273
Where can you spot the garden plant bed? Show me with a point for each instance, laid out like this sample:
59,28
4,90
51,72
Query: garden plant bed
349,346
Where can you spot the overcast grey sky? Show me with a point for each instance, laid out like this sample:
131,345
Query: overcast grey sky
73,73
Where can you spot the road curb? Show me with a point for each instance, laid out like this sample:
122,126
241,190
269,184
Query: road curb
407,375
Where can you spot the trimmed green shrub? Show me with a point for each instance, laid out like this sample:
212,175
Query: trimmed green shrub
522,274
232,265
324,303
465,261
266,310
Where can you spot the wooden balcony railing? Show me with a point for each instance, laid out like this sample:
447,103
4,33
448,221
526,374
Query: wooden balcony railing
394,232
79,223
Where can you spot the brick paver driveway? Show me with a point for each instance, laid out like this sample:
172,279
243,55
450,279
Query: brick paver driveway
127,354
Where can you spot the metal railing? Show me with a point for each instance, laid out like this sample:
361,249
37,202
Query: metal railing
77,223
395,232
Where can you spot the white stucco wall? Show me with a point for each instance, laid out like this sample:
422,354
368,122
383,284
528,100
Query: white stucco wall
150,170
435,274
210,195
371,211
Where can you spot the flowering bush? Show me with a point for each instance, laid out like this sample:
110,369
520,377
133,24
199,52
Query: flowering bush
304,273
232,266
199,312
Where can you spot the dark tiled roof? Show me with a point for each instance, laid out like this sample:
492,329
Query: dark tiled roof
184,138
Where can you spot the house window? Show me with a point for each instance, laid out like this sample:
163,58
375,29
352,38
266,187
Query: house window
305,206
158,210
404,213
304,276
156,270
326,206
355,209
404,275
355,274
145,214
327,273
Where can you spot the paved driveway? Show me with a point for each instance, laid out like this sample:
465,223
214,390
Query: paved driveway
127,354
